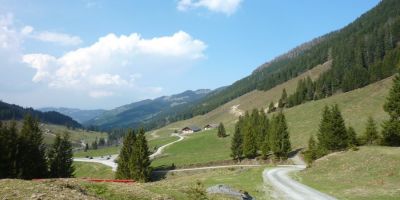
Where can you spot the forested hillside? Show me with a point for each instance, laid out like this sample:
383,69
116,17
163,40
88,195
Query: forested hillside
15,112
363,52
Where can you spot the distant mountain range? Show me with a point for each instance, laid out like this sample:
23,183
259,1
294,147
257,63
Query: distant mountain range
138,113
77,114
15,112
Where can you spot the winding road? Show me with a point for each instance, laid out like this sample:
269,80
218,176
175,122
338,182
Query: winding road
110,162
287,188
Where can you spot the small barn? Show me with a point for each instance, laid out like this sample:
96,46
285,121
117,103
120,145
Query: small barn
190,129
210,126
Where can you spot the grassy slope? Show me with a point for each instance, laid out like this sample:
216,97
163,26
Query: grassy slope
369,173
302,120
98,152
92,170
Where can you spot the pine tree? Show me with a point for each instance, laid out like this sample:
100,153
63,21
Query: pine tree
271,107
123,169
249,138
140,161
8,149
237,142
60,157
352,137
283,100
280,139
221,130
312,152
332,131
263,126
391,127
371,133
31,152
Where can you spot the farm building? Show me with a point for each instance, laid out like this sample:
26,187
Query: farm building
210,126
190,129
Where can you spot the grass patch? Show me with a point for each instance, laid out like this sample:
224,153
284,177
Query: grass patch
98,152
157,142
92,170
200,147
372,172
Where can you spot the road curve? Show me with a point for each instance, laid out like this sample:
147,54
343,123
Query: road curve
287,188
110,162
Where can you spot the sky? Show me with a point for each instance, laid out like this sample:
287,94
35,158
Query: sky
93,54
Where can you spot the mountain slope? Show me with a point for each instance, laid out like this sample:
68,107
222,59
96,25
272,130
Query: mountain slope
76,114
15,112
135,114
363,52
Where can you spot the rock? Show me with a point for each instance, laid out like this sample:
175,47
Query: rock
227,190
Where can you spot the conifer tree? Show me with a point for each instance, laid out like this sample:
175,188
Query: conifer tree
86,147
352,137
283,100
263,126
60,157
140,161
371,133
312,151
271,107
249,138
280,139
221,130
237,142
94,144
8,149
123,169
332,131
391,127
31,152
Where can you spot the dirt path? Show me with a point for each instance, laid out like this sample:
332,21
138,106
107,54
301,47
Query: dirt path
287,188
111,163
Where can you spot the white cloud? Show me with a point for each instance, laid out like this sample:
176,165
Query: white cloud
116,61
227,7
59,38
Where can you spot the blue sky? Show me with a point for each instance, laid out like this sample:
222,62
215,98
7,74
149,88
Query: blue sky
102,54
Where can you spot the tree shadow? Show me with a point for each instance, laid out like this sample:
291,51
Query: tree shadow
294,152
160,172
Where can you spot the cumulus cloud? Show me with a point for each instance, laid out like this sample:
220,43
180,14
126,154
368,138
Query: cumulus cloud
227,7
115,61
58,38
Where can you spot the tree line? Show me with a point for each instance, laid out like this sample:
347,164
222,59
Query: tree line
133,161
24,155
334,136
255,134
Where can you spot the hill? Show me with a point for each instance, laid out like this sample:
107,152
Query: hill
15,112
79,115
369,173
135,114
365,51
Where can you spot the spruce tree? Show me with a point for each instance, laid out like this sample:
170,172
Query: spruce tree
140,161
237,142
352,137
60,157
249,137
263,126
332,131
283,99
31,152
325,130
280,139
391,127
8,149
221,130
123,169
271,107
371,133
312,151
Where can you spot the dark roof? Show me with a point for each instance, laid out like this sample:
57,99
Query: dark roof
194,128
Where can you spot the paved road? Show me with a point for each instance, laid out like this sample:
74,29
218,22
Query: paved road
110,162
287,188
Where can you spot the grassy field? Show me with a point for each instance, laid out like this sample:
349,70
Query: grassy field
157,142
200,147
92,170
174,186
370,173
98,152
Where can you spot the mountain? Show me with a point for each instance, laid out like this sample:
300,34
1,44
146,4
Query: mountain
15,112
365,51
79,115
138,113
